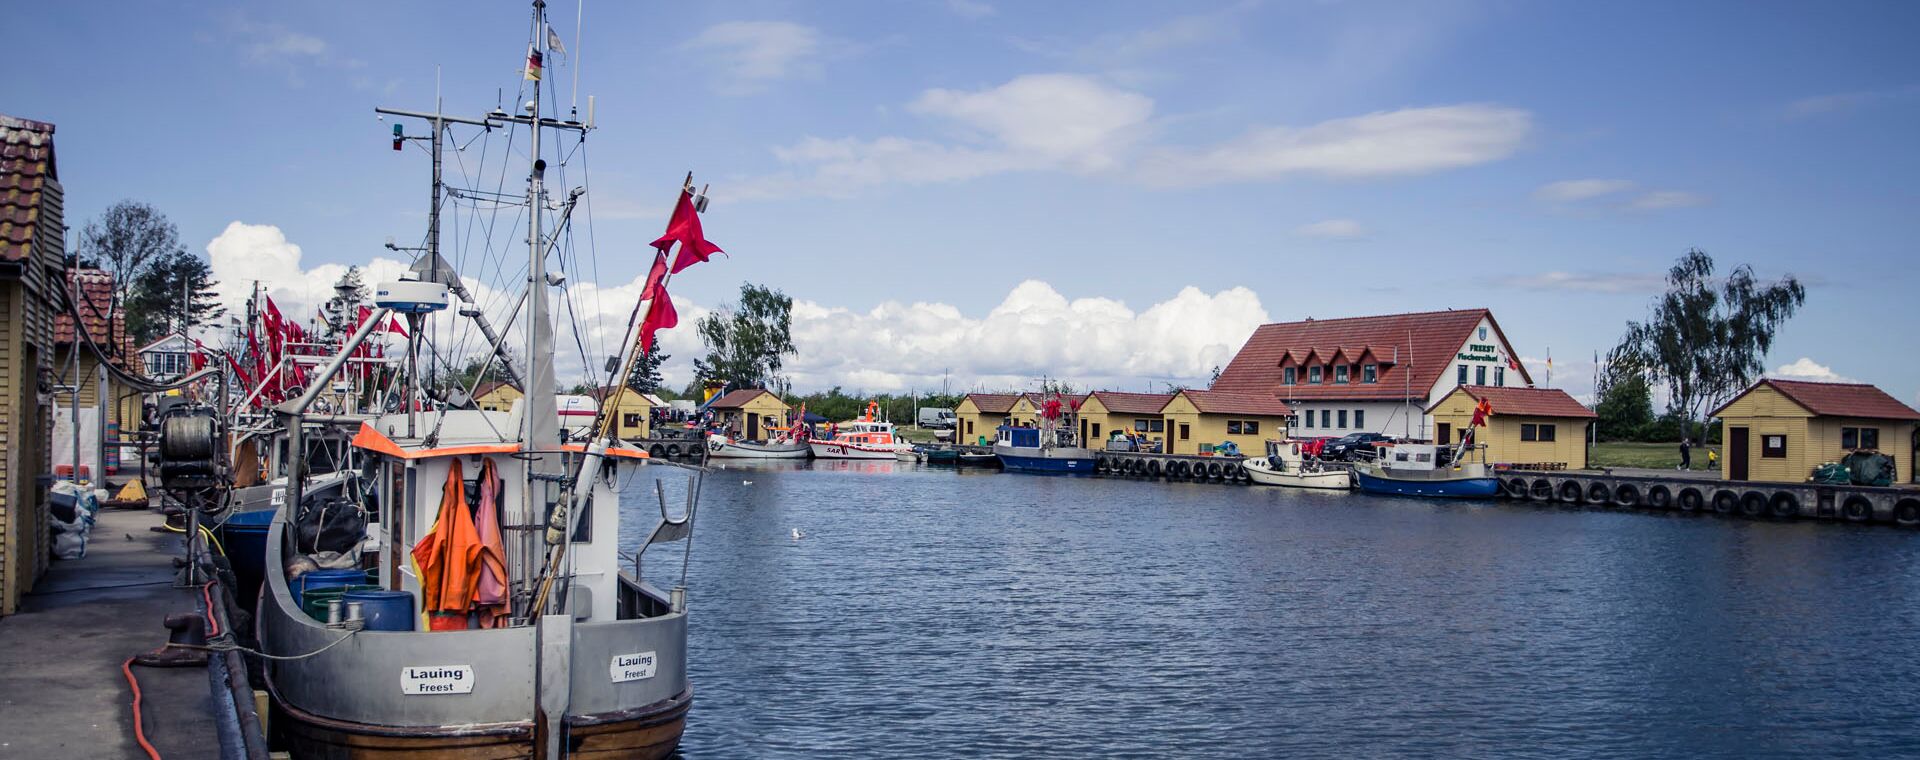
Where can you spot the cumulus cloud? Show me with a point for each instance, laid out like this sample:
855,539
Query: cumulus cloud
747,56
1076,123
1337,229
1584,282
243,254
1569,190
1805,368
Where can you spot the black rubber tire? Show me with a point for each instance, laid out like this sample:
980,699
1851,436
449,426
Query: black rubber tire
1515,488
1659,497
1541,490
1857,509
673,451
1753,504
1784,505
1691,500
1570,492
1626,495
1213,470
656,451
1153,469
1907,512
1725,502
1599,493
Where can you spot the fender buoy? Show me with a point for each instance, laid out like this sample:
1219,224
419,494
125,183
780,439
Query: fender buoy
1177,469
1542,490
1753,504
1784,504
1857,509
1690,499
673,451
1213,470
1725,502
656,450
1570,492
1599,493
1153,469
1659,497
1627,495
1907,512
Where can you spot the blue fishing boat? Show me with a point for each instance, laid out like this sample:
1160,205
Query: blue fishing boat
1420,469
1047,452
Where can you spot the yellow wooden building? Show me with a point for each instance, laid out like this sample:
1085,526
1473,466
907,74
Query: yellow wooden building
751,413
1105,412
1205,418
1541,427
1780,430
977,415
32,246
633,415
496,396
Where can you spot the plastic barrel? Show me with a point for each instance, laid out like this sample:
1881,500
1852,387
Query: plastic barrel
320,579
244,536
384,610
318,599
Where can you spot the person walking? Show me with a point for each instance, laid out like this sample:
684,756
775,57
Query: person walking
1686,453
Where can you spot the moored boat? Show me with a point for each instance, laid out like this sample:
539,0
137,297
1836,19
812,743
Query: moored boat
1420,469
1285,466
864,438
723,447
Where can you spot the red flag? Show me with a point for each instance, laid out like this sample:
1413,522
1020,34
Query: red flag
395,326
656,278
1480,414
276,327
684,227
660,315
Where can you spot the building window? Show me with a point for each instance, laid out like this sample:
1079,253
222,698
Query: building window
1370,373
1462,379
1532,432
1859,438
1360,418
1313,375
1183,431
1250,427
1343,418
1288,375
1233,427
1306,420
1773,446
1499,377
1326,418
1096,432
630,419
1480,375
1340,375
969,427
1156,426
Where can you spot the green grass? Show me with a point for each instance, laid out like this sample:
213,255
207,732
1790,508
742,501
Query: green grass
1658,456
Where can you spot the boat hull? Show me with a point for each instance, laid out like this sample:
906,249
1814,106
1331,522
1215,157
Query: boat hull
1059,461
733,450
650,733
1448,488
1330,480
845,450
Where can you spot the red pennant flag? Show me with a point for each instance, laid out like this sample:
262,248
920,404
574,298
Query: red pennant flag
1480,414
684,227
660,316
395,326
656,278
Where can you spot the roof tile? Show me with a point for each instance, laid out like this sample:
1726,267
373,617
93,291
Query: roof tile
1527,402
1411,349
1836,399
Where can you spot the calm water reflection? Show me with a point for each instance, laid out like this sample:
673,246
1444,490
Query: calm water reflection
931,612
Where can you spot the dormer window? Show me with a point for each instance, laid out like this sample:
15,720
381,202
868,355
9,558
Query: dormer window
1370,373
1340,375
1289,376
1313,375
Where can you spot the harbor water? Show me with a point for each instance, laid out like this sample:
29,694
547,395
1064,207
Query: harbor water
929,612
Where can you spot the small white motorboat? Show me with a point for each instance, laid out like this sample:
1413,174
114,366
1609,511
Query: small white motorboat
1285,466
723,447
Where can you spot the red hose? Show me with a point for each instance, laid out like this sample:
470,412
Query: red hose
139,733
213,624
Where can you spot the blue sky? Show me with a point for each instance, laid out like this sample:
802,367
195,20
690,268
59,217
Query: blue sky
1111,192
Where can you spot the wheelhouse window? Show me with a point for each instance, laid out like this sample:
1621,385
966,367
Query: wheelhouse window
1859,438
1289,375
1370,373
1773,446
1340,375
1313,375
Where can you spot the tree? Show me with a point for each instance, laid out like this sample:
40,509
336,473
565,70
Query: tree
126,240
342,309
174,291
645,377
747,344
1706,337
1624,400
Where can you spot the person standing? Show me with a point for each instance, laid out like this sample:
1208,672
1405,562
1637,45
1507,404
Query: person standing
1686,453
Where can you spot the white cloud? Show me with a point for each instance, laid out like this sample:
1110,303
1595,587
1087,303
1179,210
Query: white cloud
1338,229
1569,190
1665,199
1034,331
970,9
243,254
1805,368
749,55
1074,123
1847,101
1384,143
1584,282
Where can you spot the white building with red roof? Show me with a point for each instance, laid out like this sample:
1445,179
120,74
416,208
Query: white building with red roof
1373,374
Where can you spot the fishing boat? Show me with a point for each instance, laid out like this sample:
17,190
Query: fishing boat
726,447
1421,469
1284,465
476,601
865,438
1048,449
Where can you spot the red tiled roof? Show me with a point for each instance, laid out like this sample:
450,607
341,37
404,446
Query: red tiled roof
26,165
1132,403
93,294
993,403
1034,398
739,398
1835,399
1527,402
1230,402
1426,343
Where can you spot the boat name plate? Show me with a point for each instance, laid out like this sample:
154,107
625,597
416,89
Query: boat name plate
632,667
436,679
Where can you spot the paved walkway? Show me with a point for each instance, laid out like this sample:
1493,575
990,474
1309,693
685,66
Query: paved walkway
61,690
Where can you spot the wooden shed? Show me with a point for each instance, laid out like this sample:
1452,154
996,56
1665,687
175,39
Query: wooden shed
496,396
32,246
1105,412
979,414
1542,428
1197,418
1780,430
749,413
633,412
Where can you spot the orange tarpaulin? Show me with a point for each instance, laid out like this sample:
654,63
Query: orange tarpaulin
448,559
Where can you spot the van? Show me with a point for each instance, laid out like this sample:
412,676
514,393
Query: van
938,417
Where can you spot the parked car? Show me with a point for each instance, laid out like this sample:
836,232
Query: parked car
1348,447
